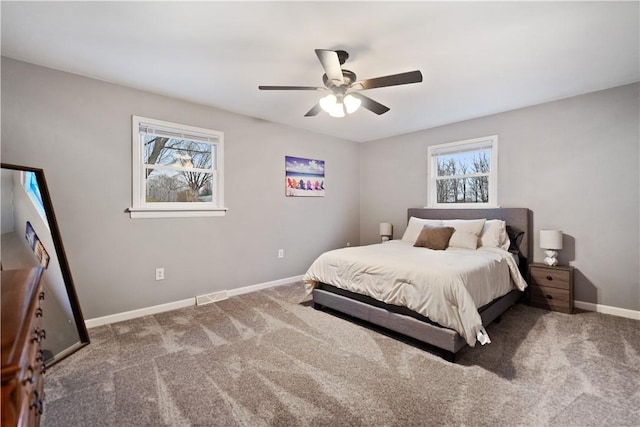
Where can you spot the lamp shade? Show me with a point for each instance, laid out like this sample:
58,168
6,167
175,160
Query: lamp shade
328,102
337,110
351,103
551,239
386,229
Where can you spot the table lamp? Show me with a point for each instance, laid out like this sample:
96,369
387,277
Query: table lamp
386,231
551,241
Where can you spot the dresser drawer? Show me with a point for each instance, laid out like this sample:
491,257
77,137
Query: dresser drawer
551,298
550,278
22,357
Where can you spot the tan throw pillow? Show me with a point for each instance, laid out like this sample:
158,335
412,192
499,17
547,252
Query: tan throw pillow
473,226
434,238
463,240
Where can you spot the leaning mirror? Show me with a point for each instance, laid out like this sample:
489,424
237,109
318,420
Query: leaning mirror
31,238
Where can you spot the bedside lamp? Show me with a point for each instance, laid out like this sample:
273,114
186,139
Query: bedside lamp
551,241
386,231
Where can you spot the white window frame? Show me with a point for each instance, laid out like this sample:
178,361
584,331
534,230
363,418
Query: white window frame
468,145
143,209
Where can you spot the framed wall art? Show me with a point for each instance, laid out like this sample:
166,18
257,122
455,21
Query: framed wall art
304,177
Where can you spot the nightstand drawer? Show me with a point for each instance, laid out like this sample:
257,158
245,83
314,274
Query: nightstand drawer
550,278
551,298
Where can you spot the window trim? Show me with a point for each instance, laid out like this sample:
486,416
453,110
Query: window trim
465,145
140,208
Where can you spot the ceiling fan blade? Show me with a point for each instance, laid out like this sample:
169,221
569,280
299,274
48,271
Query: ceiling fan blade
291,88
331,64
314,111
370,104
391,80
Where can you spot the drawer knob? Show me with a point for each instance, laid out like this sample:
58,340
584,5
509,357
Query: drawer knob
35,400
30,377
549,277
39,312
37,404
38,335
41,296
549,297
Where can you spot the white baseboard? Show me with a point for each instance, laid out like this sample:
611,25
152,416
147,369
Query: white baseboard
127,315
265,285
607,309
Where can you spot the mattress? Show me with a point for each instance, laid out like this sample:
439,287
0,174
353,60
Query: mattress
446,286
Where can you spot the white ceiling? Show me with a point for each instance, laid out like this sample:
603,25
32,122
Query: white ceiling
477,58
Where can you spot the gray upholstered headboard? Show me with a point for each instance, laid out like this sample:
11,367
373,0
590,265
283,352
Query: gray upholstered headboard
518,218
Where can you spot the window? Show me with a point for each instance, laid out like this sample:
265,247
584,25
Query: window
464,173
31,187
177,170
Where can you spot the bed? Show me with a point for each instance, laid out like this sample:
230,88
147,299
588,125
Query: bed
382,284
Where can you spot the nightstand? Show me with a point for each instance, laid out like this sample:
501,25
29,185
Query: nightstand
551,287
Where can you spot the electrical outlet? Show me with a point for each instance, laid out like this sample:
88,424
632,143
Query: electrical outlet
159,273
280,253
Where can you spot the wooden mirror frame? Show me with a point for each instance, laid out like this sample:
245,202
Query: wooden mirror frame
74,303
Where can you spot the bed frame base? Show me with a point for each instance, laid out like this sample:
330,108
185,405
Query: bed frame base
430,336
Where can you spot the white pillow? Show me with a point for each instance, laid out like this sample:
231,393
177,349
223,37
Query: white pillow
494,234
460,239
473,227
416,225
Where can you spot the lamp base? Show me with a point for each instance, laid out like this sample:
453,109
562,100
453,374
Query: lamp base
550,258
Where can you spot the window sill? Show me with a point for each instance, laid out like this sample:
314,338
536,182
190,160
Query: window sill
135,213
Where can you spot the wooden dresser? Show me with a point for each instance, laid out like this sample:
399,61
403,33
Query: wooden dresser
551,287
22,358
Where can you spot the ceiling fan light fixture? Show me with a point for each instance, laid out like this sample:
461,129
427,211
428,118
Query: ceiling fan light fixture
339,106
337,110
327,103
351,103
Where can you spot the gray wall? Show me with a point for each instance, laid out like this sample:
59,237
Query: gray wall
6,212
79,131
573,162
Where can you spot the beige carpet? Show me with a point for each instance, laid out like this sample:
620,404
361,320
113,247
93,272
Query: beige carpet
269,359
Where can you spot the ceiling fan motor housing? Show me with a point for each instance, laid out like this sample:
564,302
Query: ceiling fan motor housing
349,78
342,56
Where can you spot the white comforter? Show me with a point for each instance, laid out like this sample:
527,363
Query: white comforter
445,286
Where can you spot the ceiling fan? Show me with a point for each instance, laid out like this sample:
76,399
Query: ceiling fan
345,96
